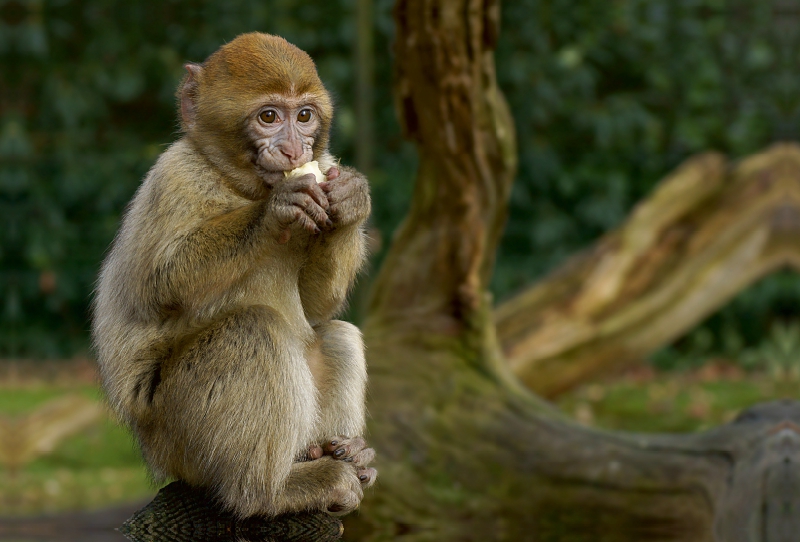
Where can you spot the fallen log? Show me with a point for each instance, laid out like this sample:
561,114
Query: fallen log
709,231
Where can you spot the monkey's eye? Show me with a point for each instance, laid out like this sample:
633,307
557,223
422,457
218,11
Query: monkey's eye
267,117
304,115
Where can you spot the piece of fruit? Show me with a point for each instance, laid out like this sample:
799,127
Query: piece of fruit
305,169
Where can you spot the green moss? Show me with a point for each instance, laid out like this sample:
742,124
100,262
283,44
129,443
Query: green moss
672,402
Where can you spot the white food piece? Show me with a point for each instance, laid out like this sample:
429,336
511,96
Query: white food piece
305,169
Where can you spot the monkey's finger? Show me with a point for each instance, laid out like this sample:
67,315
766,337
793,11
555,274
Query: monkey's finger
318,216
367,477
307,223
329,185
332,173
332,444
335,183
307,184
290,216
309,207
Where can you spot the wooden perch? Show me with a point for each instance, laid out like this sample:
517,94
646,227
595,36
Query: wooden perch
709,231
180,513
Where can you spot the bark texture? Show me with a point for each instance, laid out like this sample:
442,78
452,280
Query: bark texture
465,451
710,230
449,105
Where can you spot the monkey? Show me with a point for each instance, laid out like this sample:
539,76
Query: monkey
213,315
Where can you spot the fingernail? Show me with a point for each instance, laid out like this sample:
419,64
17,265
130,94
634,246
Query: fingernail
329,223
334,442
363,477
348,459
339,452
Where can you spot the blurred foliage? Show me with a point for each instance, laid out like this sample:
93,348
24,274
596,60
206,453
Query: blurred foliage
608,97
611,96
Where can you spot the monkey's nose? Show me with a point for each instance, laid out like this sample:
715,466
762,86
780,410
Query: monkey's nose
292,151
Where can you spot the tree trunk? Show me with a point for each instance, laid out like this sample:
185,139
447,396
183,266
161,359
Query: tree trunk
465,452
709,231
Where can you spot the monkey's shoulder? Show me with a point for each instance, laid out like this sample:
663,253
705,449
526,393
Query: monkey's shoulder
183,187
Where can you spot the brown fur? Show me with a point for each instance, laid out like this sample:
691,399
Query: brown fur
213,332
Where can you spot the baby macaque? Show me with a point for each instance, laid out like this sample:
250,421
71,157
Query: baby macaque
213,316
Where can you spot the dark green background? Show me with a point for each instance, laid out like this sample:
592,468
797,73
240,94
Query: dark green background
608,97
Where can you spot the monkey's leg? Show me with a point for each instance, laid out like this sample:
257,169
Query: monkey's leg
341,379
233,410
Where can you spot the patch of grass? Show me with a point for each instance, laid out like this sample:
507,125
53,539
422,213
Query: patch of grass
64,489
674,401
99,466
106,445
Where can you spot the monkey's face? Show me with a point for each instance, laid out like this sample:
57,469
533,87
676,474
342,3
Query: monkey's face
256,108
282,132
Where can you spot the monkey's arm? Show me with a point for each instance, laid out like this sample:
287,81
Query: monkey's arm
201,264
336,255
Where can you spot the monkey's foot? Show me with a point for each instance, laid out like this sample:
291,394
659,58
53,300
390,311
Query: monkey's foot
353,451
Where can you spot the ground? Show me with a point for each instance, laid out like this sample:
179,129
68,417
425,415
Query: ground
90,465
644,399
98,465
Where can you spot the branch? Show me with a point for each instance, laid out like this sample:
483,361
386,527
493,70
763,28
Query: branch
704,235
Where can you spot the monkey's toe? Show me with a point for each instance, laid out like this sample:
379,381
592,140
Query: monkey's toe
363,458
344,448
367,477
314,452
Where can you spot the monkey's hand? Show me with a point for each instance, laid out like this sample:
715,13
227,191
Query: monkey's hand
348,195
353,451
294,205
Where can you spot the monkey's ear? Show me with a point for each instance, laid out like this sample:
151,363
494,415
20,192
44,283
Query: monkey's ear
188,94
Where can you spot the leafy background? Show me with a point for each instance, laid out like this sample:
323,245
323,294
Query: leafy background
608,97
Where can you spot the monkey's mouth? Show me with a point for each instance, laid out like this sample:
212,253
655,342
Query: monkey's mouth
269,168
